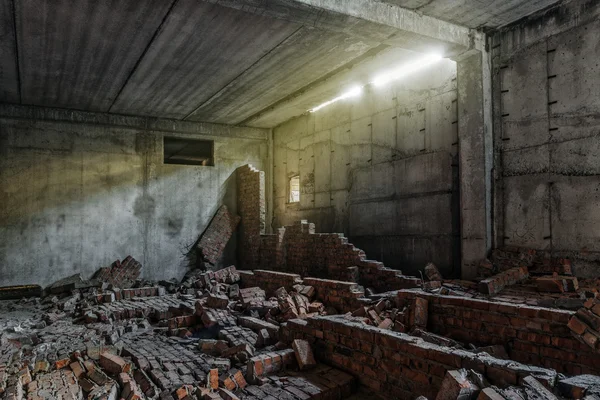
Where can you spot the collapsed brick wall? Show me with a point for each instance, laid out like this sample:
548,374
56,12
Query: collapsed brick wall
298,249
532,335
396,365
269,281
252,209
216,236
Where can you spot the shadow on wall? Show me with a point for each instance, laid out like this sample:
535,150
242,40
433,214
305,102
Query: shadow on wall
75,198
192,256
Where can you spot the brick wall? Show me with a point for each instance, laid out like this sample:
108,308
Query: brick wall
298,249
532,335
343,296
252,209
269,281
396,365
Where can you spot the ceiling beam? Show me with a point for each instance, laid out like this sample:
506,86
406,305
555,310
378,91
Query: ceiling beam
367,20
152,124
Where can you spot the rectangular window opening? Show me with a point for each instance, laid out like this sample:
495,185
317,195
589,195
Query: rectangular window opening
188,151
295,189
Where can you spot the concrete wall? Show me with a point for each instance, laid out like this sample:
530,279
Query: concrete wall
381,169
547,130
79,191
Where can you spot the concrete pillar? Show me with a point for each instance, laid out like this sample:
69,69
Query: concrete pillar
475,157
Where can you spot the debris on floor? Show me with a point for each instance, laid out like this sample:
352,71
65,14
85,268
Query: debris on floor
230,334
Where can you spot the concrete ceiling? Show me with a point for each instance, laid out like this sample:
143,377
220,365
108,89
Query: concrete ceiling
222,61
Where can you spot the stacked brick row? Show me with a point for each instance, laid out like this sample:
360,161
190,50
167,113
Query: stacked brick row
343,296
125,294
121,274
217,234
269,363
156,308
269,281
395,365
252,209
533,335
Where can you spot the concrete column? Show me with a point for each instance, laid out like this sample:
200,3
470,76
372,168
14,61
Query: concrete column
475,157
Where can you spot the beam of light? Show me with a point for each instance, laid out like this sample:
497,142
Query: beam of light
354,92
406,69
385,78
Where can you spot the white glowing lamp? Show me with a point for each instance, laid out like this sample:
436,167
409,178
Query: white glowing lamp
406,69
354,92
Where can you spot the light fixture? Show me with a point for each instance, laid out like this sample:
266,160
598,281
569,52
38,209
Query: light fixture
406,69
354,92
384,78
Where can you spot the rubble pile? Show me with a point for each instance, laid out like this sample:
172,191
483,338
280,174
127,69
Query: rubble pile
231,334
514,283
204,337
120,274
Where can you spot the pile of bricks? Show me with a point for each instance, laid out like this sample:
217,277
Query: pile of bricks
56,384
296,303
215,317
532,335
212,243
218,281
342,296
585,324
120,274
384,316
468,384
170,364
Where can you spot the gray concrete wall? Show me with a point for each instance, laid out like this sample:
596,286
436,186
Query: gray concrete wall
79,190
380,168
547,130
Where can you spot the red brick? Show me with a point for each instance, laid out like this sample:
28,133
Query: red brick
114,364
576,325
